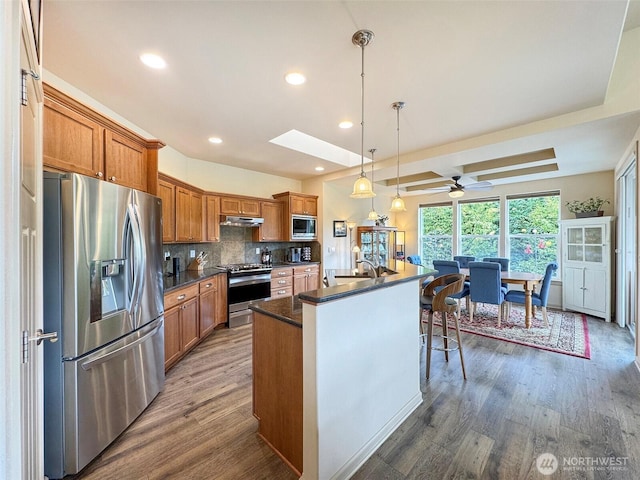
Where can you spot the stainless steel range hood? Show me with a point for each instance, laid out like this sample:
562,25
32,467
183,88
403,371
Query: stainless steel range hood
235,221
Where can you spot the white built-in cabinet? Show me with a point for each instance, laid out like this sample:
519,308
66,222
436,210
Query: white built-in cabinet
587,264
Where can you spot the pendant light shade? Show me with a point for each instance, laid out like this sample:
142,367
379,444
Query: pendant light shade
397,204
373,215
362,188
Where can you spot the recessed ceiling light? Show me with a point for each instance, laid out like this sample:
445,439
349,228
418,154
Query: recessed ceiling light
295,78
319,169
345,124
153,61
215,140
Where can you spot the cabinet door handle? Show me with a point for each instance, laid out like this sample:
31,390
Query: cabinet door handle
112,179
282,273
99,175
281,292
181,297
208,285
282,282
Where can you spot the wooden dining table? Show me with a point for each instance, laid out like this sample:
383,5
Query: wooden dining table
528,281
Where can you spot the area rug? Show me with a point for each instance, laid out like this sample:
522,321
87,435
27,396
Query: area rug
567,331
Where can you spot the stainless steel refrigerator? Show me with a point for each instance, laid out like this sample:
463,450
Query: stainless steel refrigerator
103,294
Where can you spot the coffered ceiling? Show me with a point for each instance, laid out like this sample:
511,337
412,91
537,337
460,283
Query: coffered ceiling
494,91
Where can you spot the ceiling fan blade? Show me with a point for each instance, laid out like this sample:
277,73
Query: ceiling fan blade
480,186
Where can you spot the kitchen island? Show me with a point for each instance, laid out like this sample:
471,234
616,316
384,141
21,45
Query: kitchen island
337,370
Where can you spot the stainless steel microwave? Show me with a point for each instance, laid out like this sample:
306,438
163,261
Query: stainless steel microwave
303,227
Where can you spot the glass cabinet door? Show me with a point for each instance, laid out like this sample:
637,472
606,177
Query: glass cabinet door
585,244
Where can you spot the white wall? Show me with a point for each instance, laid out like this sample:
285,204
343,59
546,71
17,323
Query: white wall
206,175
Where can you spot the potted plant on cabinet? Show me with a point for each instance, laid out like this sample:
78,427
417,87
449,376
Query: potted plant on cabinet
587,208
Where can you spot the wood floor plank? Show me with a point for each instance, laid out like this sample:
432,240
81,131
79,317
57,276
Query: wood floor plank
517,403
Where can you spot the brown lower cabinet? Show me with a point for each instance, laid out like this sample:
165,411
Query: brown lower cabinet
191,313
277,386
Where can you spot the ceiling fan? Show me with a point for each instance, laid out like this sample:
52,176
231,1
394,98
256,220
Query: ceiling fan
456,189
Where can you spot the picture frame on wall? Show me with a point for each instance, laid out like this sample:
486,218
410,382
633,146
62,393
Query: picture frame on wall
339,228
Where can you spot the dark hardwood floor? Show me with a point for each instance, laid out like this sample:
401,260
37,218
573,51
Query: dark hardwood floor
518,403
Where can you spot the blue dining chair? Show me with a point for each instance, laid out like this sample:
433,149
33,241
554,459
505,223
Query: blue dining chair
414,259
503,261
446,267
464,260
504,264
485,287
537,299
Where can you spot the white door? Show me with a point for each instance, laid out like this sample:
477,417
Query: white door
630,270
31,384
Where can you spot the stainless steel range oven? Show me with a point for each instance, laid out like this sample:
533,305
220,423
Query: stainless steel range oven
247,282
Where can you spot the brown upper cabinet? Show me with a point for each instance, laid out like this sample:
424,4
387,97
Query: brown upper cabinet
188,215
167,193
296,204
272,228
239,206
299,203
212,218
303,204
78,139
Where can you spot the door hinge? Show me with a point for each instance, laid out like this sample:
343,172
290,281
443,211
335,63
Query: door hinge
39,338
23,95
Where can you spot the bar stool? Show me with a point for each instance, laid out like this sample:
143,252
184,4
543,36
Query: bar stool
441,301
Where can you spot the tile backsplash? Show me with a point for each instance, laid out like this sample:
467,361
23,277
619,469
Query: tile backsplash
236,246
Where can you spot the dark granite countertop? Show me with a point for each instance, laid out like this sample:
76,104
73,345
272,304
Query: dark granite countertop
288,309
406,272
187,277
296,264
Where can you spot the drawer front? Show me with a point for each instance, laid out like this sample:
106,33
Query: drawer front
281,272
207,285
282,292
179,296
306,269
277,283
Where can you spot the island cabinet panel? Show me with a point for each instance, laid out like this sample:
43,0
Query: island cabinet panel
212,218
277,386
272,228
71,142
239,206
125,161
167,193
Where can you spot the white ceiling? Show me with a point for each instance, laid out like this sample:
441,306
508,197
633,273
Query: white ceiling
481,79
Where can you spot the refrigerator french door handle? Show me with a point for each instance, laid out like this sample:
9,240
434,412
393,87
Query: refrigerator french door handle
137,261
104,358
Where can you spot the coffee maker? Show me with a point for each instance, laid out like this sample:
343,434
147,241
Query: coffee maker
294,255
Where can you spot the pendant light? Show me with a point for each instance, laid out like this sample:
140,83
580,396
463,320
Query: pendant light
373,215
397,205
362,188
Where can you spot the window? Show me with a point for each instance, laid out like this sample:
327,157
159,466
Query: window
436,232
533,231
480,228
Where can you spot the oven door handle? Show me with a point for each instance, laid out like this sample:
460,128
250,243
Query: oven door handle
252,280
